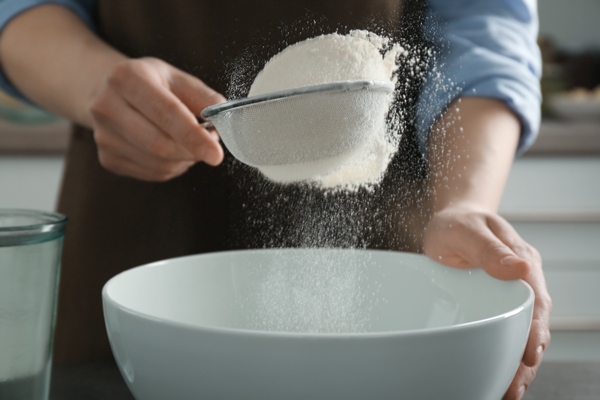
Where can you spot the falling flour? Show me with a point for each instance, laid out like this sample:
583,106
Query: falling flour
359,55
322,292
310,292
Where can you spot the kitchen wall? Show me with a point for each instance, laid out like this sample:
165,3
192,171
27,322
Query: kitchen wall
553,203
31,161
573,24
30,181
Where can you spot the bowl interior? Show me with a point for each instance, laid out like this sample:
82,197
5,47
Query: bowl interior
314,291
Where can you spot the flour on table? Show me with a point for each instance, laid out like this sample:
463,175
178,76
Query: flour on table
359,55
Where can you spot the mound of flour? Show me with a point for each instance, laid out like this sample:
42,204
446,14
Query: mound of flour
328,58
359,55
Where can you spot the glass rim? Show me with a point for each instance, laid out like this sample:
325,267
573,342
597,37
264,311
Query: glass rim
46,222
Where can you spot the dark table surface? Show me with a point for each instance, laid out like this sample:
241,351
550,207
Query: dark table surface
555,381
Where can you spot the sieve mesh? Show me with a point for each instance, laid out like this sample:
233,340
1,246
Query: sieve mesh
303,128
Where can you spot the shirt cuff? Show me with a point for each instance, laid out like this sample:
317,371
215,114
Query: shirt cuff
483,79
484,57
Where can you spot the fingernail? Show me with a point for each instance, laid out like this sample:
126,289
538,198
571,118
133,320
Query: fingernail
540,348
510,260
522,390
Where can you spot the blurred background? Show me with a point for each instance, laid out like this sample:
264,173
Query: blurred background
570,44
552,198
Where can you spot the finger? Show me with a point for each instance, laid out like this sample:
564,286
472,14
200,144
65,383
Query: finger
118,155
506,255
194,93
539,339
115,117
173,117
539,336
136,167
159,105
509,236
523,378
478,246
196,96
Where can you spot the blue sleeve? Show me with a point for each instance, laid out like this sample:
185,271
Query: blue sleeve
486,49
11,8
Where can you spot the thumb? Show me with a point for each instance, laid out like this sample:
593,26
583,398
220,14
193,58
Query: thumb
502,263
194,93
497,255
494,256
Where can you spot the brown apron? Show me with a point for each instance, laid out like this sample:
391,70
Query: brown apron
117,223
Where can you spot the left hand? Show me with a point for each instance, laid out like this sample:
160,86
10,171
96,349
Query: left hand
467,238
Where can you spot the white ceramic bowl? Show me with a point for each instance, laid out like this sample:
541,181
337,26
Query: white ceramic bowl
315,324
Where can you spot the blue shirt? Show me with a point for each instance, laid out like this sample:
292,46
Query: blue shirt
487,48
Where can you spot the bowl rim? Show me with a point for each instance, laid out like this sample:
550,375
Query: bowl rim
529,302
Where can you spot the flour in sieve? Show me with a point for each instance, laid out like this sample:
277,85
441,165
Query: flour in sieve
329,58
359,55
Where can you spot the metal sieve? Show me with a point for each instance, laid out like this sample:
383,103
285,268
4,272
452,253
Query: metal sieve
301,125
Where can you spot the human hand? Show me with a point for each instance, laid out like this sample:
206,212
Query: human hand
465,238
144,121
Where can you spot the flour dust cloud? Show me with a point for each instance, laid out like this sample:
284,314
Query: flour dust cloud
378,201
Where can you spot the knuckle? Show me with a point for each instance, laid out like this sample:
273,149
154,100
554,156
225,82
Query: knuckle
151,62
164,112
526,268
120,73
531,376
102,140
108,162
492,248
546,300
100,107
158,148
536,254
127,74
520,249
523,249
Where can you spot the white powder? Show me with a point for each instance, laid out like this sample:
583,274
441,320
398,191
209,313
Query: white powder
309,291
328,58
360,55
321,291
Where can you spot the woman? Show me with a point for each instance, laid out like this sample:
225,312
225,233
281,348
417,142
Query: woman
134,75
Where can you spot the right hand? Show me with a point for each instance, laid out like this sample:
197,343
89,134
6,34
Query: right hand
144,121
461,237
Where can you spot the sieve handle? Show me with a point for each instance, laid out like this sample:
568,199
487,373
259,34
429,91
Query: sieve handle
207,125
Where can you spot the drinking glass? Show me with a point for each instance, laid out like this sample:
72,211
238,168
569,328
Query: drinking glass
30,254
